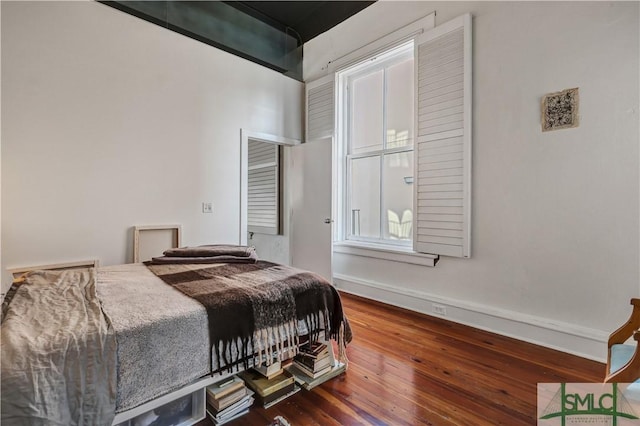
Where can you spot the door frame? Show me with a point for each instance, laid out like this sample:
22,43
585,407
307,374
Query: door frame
245,135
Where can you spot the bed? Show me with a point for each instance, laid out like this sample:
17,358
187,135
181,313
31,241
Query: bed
153,334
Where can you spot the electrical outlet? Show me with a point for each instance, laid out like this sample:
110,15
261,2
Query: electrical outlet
439,309
207,207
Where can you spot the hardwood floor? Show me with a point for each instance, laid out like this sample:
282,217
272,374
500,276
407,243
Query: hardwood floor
412,369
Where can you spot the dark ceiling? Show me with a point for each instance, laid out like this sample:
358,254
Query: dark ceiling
270,33
307,18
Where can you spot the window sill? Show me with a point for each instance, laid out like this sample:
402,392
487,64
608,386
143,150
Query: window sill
378,251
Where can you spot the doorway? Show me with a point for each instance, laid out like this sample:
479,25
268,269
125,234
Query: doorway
265,209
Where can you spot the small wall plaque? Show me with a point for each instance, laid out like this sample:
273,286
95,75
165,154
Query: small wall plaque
560,110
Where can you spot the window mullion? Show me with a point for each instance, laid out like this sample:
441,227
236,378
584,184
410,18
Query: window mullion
396,150
366,154
381,197
348,219
384,147
348,231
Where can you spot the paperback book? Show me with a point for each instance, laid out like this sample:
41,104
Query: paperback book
232,412
313,364
314,350
271,371
224,387
240,414
263,386
310,373
295,390
267,400
309,383
227,400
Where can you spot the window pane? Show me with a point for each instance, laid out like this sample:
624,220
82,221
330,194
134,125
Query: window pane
365,197
400,104
367,112
398,196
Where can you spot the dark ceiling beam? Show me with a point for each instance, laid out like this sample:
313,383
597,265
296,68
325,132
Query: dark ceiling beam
308,18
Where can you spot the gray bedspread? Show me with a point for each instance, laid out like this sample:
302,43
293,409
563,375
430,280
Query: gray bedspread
58,353
163,338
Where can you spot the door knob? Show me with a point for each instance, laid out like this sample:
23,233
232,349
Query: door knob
328,220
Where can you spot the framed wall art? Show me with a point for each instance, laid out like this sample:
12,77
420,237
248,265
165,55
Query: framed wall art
560,110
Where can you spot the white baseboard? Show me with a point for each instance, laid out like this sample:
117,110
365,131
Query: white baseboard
577,340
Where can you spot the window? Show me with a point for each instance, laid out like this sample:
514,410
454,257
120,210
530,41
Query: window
263,186
378,148
403,140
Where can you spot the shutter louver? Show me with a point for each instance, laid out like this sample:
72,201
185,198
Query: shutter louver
443,143
320,108
263,188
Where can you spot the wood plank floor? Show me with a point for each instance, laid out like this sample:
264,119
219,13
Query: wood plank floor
412,369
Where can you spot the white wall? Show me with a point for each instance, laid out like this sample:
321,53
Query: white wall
555,215
110,121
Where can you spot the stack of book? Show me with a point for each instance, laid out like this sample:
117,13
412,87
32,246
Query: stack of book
315,364
313,360
270,384
228,399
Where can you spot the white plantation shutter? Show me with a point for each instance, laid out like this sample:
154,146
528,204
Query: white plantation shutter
443,144
263,206
320,103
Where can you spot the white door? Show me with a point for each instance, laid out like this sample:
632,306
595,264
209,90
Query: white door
311,206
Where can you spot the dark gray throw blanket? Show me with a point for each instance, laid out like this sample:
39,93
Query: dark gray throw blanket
219,253
211,251
253,303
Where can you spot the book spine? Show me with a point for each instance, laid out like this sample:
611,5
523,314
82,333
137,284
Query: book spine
309,363
281,398
305,371
314,355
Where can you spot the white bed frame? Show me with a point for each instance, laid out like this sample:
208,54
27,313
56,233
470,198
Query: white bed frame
197,390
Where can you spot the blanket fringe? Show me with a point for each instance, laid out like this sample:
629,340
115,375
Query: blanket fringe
275,343
278,343
342,347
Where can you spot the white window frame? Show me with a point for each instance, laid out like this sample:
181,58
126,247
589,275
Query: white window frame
396,54
420,31
340,245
